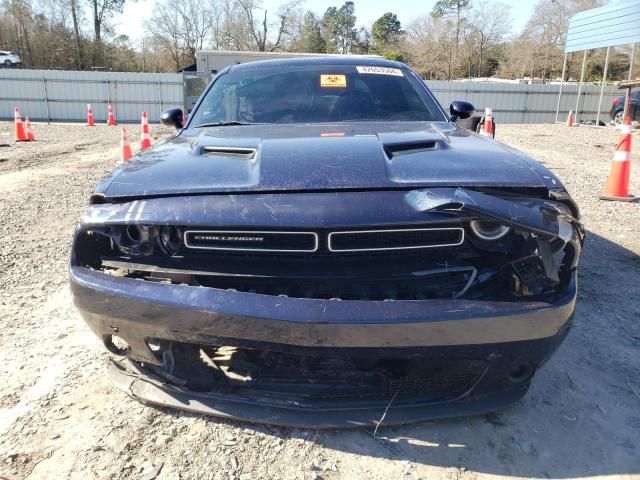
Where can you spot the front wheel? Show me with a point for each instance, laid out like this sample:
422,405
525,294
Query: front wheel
618,118
7,63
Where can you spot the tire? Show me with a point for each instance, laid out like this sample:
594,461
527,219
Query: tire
7,63
618,117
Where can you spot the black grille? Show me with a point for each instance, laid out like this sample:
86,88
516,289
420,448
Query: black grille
257,241
310,377
439,386
372,240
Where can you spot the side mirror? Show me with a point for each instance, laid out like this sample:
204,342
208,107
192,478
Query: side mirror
461,110
173,117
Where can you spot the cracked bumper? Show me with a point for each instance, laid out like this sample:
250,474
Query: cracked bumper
137,310
138,384
502,334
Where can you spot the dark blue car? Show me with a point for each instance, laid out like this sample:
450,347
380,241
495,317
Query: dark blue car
617,108
321,245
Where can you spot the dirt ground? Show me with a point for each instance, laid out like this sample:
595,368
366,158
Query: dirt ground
61,418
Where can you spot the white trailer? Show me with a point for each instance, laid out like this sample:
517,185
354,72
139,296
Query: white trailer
213,61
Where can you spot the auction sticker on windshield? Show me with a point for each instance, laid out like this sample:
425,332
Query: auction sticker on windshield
381,71
333,80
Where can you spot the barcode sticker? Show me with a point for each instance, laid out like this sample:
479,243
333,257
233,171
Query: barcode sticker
381,71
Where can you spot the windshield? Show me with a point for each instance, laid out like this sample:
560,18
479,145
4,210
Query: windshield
315,94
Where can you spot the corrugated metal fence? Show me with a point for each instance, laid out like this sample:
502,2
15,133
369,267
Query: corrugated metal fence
49,95
521,103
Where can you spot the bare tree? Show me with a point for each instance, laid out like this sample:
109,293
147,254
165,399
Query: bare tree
259,26
455,42
234,33
292,34
102,9
544,34
73,7
182,28
21,12
426,45
489,23
196,20
452,9
164,26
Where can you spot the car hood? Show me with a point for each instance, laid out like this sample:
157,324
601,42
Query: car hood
353,156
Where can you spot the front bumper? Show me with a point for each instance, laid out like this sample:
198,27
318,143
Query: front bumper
138,310
504,335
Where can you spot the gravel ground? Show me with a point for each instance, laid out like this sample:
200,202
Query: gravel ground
61,418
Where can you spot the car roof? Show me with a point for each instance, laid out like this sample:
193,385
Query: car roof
351,60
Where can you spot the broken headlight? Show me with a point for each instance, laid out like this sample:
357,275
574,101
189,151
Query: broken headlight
488,230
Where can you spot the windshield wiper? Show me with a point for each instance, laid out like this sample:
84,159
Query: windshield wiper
224,124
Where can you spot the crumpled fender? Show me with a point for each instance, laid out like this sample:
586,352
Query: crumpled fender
546,221
544,217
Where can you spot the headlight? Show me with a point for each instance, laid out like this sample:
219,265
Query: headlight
488,230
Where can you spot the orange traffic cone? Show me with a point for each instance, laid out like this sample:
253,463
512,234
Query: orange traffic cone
111,120
145,138
569,122
617,187
31,137
487,128
126,147
90,119
21,136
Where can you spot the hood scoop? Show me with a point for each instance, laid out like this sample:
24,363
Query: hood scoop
397,149
234,153
397,144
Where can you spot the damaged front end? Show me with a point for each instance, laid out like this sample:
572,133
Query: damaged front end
440,301
540,239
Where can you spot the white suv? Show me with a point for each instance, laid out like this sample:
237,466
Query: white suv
9,59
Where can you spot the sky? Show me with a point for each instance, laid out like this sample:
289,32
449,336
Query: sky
130,22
